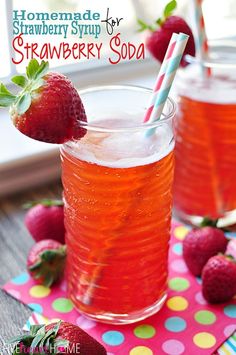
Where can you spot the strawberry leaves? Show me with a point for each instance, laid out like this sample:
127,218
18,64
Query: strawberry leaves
47,202
32,68
40,341
23,103
168,11
144,26
42,70
19,80
170,7
35,72
6,98
208,222
49,266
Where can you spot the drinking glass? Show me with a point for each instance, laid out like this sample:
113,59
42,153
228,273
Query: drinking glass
118,196
205,151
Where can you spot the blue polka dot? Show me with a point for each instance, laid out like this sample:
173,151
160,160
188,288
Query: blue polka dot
230,234
178,248
175,324
199,280
230,310
21,279
113,337
36,307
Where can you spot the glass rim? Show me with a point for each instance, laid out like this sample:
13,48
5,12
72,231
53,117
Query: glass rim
209,62
144,126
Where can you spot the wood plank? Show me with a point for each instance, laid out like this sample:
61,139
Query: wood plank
15,243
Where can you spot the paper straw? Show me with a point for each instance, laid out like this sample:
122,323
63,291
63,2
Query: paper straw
201,38
166,76
35,319
161,75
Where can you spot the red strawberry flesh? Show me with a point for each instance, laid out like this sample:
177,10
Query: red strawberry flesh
219,279
46,222
157,42
75,335
201,244
57,338
55,112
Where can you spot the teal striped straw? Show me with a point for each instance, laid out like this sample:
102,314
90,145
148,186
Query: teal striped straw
168,68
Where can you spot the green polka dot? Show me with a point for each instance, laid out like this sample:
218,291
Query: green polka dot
144,331
63,305
178,284
205,317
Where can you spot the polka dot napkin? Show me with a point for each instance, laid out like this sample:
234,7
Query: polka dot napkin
185,325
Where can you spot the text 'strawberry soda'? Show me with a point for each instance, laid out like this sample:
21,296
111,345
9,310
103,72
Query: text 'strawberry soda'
205,152
117,192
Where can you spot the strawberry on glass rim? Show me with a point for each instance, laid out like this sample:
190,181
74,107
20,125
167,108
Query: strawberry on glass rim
161,32
48,108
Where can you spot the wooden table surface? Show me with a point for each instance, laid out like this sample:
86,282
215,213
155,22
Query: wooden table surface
15,242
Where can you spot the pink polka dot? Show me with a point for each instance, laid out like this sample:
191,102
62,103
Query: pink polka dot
85,323
200,299
63,286
228,331
179,266
173,347
14,293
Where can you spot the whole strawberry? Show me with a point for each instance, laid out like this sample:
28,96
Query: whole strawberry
219,279
201,244
57,338
160,35
46,261
45,220
48,108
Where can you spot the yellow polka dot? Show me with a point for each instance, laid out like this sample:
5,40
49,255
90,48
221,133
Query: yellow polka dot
204,340
141,350
45,320
180,232
177,303
39,291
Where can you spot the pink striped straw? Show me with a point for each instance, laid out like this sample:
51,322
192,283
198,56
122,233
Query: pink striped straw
161,75
201,38
35,319
165,77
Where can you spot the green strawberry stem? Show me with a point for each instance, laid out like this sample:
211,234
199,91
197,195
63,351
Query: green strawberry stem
50,266
144,26
40,341
208,222
168,11
45,202
30,83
